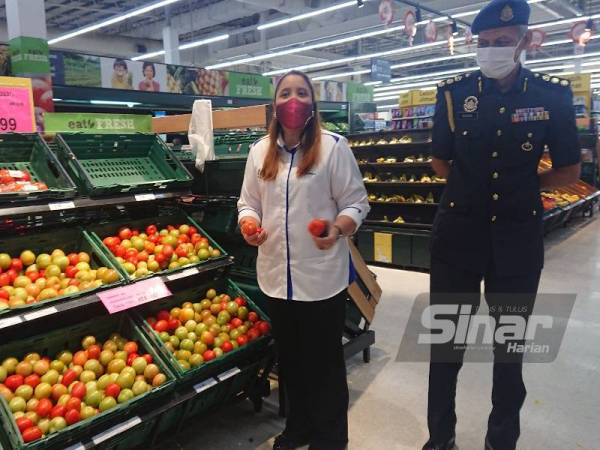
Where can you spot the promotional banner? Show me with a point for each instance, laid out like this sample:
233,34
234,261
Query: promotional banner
16,105
97,123
358,93
249,85
333,91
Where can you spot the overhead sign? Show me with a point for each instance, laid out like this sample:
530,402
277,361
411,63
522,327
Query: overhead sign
16,105
97,123
381,70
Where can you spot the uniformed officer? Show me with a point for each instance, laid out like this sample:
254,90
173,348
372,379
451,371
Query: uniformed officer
491,128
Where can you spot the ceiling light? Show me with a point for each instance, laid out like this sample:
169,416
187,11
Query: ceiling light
433,60
341,75
317,12
187,46
112,21
372,83
387,106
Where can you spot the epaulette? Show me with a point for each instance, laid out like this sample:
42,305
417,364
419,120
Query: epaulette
551,80
451,82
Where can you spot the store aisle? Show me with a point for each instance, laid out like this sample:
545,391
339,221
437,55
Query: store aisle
388,399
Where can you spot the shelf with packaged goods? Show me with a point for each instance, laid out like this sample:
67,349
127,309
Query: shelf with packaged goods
415,184
412,117
399,145
396,165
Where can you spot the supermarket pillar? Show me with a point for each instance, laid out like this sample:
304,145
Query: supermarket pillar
490,131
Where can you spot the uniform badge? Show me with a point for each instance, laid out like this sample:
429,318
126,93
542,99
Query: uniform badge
530,115
507,14
564,83
471,104
527,147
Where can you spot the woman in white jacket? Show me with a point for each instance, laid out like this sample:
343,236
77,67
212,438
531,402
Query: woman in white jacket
295,174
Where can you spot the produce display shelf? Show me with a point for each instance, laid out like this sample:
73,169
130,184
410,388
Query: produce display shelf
87,203
396,165
403,203
404,184
11,323
383,132
394,146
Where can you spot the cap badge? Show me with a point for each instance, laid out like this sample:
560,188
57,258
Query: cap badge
507,14
471,104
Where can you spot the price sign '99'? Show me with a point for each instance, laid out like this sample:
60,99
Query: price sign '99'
16,105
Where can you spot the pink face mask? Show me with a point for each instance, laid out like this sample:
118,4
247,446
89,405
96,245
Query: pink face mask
294,114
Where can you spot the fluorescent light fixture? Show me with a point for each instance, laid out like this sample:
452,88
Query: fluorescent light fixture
433,60
114,103
436,74
385,99
112,21
210,40
341,75
317,12
372,83
387,106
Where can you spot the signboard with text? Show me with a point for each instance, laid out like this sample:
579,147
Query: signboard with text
381,70
16,105
94,123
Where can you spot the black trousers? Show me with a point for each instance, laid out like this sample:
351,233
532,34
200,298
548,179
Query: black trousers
308,337
508,393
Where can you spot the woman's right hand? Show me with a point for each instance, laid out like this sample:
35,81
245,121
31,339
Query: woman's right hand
257,239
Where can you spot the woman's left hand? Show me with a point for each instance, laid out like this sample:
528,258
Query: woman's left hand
325,243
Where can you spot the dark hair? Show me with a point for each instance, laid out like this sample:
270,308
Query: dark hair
120,63
151,65
310,140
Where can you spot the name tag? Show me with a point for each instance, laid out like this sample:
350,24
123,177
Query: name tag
530,115
468,116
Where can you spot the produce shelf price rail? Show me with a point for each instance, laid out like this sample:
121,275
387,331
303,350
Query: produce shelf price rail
12,324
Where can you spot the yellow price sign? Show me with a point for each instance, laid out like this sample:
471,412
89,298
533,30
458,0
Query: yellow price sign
382,247
404,100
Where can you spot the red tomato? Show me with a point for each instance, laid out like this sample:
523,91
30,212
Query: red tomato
94,351
131,358
240,301
4,279
167,250
154,238
71,271
174,324
73,403
12,274
133,260
142,256
78,390
72,416
73,258
130,347
151,229
58,411
33,275
193,230
68,377
31,434
125,233
183,239
204,240
161,325
195,238
149,246
13,382
249,228
160,258
135,232
223,306
317,227
16,264
148,358
80,358
242,340
170,227
151,321
33,380
264,327
4,294
120,251
163,315
180,251
44,407
208,355
131,252
253,334
112,390
252,317
23,423
236,322
226,347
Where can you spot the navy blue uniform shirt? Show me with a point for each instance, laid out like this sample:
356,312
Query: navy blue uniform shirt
491,212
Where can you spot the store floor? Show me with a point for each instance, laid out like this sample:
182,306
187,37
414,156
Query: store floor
388,398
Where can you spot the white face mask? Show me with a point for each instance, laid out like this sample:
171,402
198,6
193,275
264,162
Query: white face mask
497,62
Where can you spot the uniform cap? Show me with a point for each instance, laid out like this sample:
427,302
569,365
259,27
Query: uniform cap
501,13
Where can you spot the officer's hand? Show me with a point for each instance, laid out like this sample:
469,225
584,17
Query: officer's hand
325,243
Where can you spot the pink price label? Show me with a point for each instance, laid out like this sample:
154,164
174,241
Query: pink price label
16,110
126,297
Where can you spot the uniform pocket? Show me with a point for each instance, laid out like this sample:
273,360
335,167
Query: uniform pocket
528,141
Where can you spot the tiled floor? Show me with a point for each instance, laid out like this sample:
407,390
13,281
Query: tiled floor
388,399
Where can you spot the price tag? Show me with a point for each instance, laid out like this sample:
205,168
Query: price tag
126,297
183,274
116,430
16,105
228,373
58,206
206,384
40,313
9,322
144,197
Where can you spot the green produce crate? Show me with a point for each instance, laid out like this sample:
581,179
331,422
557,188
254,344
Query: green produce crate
29,152
112,163
67,239
69,338
99,232
215,366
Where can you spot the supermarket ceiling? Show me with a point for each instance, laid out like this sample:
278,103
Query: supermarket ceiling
337,38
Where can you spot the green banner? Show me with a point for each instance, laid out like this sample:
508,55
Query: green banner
97,123
249,85
29,56
359,93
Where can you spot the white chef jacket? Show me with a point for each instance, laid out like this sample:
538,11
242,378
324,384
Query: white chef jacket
289,265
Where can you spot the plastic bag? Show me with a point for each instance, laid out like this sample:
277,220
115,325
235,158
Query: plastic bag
200,133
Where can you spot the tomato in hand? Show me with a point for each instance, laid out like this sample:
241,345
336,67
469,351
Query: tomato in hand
317,227
249,228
